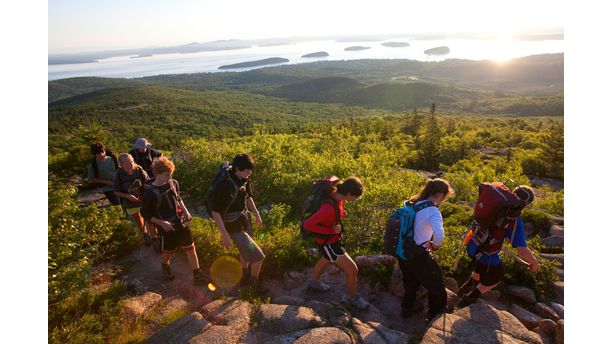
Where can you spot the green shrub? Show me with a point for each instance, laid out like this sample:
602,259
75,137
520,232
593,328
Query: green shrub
540,220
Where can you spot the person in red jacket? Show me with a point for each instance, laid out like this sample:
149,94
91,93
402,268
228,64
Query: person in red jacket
327,221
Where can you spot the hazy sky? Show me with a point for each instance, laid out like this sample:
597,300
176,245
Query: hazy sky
86,25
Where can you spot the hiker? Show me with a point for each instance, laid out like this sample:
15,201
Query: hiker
488,267
164,208
129,184
144,155
101,171
420,268
326,223
231,207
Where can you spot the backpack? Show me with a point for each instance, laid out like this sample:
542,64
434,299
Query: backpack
94,162
223,174
495,214
320,193
399,234
175,195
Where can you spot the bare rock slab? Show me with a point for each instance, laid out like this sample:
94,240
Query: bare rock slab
376,333
530,320
180,331
321,335
546,311
281,319
138,306
522,293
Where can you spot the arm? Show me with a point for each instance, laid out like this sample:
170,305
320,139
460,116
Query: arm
92,179
251,205
219,221
437,225
117,188
528,256
150,212
325,214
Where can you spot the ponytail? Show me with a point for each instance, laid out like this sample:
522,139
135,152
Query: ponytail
432,187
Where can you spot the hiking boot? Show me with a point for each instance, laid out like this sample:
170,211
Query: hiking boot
168,275
147,240
356,301
200,277
317,286
408,312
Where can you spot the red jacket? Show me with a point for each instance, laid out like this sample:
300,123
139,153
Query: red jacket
324,220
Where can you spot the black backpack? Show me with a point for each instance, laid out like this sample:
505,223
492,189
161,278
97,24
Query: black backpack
223,174
320,193
94,162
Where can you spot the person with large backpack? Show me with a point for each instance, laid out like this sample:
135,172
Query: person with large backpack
497,218
230,206
101,171
164,208
322,220
128,184
144,154
421,231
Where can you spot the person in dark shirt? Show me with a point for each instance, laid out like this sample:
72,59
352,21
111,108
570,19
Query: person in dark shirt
144,155
164,208
231,202
128,184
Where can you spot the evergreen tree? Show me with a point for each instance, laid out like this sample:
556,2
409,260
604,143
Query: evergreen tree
552,150
428,143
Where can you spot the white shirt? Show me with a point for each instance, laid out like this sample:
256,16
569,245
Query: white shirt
427,224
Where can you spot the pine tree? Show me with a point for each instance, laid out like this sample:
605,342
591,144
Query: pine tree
428,143
552,150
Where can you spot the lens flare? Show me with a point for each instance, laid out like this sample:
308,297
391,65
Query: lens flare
226,272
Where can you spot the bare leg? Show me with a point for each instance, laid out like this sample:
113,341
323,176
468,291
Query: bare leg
192,257
346,263
166,257
319,268
255,268
140,223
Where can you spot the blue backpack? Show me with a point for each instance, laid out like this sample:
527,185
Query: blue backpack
399,235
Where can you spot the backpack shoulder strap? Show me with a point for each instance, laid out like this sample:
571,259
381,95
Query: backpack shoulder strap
422,206
234,198
157,193
94,165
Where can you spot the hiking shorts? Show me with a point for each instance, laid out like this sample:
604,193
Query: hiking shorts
490,274
249,250
332,251
171,241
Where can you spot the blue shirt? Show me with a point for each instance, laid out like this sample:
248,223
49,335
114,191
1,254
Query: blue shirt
495,259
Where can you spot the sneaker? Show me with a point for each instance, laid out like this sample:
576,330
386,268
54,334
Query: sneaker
168,275
147,240
408,312
317,286
356,301
200,277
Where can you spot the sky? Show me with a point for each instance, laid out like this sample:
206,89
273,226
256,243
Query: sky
87,25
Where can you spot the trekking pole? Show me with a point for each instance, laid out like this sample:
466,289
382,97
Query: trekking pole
513,182
459,254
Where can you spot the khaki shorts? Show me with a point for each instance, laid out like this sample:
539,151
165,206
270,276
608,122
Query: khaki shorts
249,250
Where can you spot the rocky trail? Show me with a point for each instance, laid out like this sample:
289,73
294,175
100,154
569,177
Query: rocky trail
290,313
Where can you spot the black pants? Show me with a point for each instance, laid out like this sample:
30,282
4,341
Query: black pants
423,270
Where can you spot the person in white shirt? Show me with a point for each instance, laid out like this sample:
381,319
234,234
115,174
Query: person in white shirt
421,268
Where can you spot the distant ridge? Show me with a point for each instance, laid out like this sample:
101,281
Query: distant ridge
257,63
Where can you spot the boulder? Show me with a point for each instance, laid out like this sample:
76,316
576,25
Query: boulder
138,306
522,293
281,319
321,335
451,284
478,323
215,334
287,300
236,314
135,286
559,332
558,220
396,285
558,287
548,326
181,330
491,295
451,299
371,261
553,241
171,307
494,303
558,308
545,311
530,229
293,279
332,315
375,333
210,308
545,337
556,230
528,319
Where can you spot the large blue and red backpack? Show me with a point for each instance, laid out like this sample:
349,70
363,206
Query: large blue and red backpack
399,234
495,215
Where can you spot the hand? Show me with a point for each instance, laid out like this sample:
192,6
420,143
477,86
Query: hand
133,199
167,226
227,242
186,216
258,221
338,228
533,266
